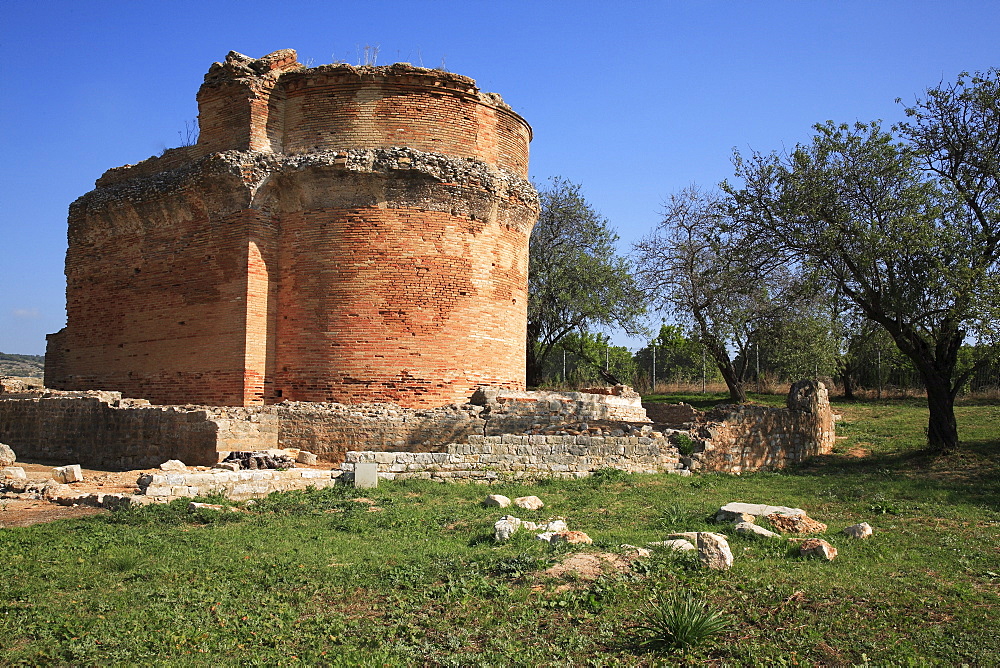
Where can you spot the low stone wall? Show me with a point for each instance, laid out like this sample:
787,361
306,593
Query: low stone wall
481,459
101,429
673,415
742,438
237,485
536,456
331,430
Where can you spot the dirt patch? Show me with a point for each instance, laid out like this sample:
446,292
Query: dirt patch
858,451
589,566
95,481
23,513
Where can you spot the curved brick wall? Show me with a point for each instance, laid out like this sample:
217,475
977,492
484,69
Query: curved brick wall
298,252
339,106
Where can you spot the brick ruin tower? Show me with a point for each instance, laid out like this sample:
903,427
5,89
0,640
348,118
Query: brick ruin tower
339,233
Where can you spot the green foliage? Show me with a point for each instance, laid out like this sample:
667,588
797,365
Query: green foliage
724,283
678,357
576,278
684,443
905,226
677,620
586,354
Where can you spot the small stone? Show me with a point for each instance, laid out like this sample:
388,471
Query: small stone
528,502
751,529
14,472
7,456
859,531
732,511
307,458
194,505
714,552
795,523
505,527
496,500
366,475
676,544
556,525
227,466
546,536
571,537
67,474
640,552
814,547
724,516
55,490
173,465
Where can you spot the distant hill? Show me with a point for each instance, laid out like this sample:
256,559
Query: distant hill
28,366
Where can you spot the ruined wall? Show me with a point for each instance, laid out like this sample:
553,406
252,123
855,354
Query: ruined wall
98,429
501,430
299,252
331,430
742,438
536,456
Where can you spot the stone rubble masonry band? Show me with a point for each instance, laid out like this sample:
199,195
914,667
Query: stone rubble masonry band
487,435
337,234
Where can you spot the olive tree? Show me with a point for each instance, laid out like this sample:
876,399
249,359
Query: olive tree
906,227
722,283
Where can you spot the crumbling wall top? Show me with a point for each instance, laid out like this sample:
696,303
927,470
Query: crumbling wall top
240,67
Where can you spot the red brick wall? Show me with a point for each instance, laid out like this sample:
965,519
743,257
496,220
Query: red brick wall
416,307
340,110
156,305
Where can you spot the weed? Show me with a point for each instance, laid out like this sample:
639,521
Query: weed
675,518
684,443
609,474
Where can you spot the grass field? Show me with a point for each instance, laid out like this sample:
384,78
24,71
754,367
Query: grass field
316,578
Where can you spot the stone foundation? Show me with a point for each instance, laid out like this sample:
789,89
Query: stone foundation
501,432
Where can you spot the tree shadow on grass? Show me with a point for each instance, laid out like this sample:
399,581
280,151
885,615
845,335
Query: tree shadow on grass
969,475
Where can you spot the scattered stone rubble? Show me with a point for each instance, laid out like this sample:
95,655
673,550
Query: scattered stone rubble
714,552
254,461
529,502
505,527
815,547
713,549
67,474
497,500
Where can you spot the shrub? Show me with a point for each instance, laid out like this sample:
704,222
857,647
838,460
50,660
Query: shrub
678,620
684,443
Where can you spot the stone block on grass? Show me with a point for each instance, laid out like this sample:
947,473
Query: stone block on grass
498,500
366,475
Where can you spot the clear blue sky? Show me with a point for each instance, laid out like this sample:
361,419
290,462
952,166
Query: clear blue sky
633,100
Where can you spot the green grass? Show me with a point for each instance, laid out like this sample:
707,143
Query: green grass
314,578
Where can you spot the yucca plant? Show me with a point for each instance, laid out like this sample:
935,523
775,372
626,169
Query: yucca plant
677,620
